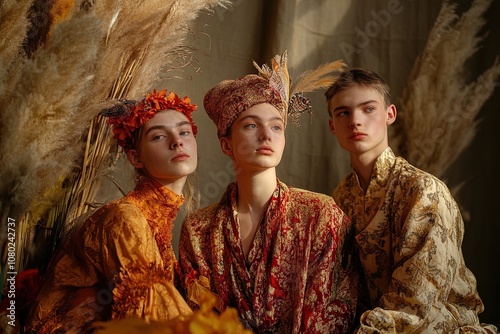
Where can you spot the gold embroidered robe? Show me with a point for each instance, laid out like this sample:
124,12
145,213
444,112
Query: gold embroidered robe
117,263
408,232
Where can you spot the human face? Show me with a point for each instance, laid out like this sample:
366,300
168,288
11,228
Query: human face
167,149
359,120
257,138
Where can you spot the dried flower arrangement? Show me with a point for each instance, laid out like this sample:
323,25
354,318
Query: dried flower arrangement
439,107
61,61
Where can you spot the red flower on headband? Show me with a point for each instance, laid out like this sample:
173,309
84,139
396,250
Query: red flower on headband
125,125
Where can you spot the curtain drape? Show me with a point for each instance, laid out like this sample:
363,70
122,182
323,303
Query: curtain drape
383,35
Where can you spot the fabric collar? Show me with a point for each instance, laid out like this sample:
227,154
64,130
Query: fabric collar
160,207
225,242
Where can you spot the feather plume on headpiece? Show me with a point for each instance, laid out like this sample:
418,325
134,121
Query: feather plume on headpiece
295,103
229,98
278,76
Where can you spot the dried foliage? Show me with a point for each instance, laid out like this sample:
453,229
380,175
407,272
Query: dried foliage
41,118
61,61
13,20
202,321
439,106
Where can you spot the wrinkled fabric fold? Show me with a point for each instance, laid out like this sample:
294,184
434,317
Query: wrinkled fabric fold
292,280
117,263
409,232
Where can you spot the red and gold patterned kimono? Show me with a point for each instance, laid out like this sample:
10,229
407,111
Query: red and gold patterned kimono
409,231
118,263
292,280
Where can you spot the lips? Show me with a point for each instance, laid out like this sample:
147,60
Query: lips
265,150
357,135
180,157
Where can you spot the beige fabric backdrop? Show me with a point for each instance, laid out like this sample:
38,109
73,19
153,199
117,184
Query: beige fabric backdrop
319,31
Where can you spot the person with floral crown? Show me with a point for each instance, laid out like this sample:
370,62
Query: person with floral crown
120,262
271,251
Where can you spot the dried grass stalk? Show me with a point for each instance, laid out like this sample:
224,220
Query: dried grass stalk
42,122
13,19
143,39
439,108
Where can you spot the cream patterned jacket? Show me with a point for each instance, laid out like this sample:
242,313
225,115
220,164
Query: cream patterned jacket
408,236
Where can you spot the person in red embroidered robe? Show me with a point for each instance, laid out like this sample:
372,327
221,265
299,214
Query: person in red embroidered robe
119,262
271,251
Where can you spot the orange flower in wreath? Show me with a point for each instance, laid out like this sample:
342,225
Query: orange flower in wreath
128,115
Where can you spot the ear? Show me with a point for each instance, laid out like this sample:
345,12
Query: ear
330,125
226,146
391,114
133,157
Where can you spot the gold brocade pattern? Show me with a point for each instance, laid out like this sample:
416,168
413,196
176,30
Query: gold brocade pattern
409,233
117,263
292,280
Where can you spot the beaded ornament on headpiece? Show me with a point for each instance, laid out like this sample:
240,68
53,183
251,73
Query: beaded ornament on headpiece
294,102
127,116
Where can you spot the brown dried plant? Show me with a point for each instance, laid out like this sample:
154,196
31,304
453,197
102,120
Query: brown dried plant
439,107
61,61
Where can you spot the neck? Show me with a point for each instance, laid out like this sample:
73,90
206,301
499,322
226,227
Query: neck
363,164
255,189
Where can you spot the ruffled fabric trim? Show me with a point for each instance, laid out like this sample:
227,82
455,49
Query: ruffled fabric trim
160,207
133,285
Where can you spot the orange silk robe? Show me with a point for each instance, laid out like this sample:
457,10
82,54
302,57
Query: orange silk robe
409,231
117,263
293,279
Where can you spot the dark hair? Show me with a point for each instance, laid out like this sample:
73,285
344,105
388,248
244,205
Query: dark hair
360,77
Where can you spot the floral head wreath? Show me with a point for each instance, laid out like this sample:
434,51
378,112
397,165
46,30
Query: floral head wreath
228,99
127,116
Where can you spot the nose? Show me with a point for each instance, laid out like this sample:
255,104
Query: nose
176,142
265,134
355,119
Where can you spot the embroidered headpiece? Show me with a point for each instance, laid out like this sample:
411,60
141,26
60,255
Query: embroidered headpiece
229,98
127,116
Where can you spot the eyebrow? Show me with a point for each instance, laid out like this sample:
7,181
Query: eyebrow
275,118
163,127
359,105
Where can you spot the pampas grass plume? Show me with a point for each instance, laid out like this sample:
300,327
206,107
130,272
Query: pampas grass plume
42,123
61,62
439,109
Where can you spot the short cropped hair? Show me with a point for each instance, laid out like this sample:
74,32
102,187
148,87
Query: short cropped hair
360,77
